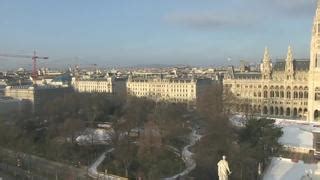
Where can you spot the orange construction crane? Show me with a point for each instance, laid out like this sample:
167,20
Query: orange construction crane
34,61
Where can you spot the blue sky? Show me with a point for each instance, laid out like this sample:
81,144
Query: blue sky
130,32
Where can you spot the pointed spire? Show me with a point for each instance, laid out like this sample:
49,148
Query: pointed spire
318,3
289,65
266,67
266,56
289,54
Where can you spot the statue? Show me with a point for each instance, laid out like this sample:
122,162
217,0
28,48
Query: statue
223,169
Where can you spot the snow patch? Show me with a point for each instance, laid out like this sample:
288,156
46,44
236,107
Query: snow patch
94,136
285,169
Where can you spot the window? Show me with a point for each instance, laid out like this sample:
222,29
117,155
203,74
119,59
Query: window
317,96
288,95
271,93
300,95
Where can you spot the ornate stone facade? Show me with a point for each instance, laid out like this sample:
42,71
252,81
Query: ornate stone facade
287,88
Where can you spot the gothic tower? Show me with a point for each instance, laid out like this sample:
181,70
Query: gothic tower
266,66
314,70
289,71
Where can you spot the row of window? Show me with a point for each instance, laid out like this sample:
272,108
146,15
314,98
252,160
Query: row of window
161,90
158,94
244,86
161,81
94,90
274,110
93,82
266,87
159,85
280,94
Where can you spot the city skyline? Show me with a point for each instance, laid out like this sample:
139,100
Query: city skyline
110,33
167,89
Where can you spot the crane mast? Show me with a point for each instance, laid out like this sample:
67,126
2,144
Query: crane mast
34,58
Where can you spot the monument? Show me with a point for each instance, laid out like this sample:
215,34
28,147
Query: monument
223,169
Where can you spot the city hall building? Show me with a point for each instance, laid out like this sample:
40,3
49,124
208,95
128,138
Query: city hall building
288,88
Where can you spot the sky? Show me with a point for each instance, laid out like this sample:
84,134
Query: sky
143,32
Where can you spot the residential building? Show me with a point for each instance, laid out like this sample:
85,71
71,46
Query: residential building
177,90
36,95
112,85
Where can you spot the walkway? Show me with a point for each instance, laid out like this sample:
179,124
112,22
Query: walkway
187,156
93,172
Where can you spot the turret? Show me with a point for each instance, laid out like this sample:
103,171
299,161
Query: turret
315,41
266,66
289,65
314,71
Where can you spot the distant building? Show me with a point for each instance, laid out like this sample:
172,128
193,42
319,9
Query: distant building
177,90
61,80
288,88
111,85
3,82
36,95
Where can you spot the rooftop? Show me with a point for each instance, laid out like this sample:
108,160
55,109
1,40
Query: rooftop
298,65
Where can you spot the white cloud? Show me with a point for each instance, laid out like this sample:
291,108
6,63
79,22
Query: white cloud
294,3
293,7
209,20
252,13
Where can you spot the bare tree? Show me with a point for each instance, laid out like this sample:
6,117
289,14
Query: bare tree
150,140
71,126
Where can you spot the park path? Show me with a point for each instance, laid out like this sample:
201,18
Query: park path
187,156
92,170
94,173
194,137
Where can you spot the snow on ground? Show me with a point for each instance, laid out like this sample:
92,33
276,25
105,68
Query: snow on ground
296,133
93,172
187,157
294,136
238,120
285,169
94,136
